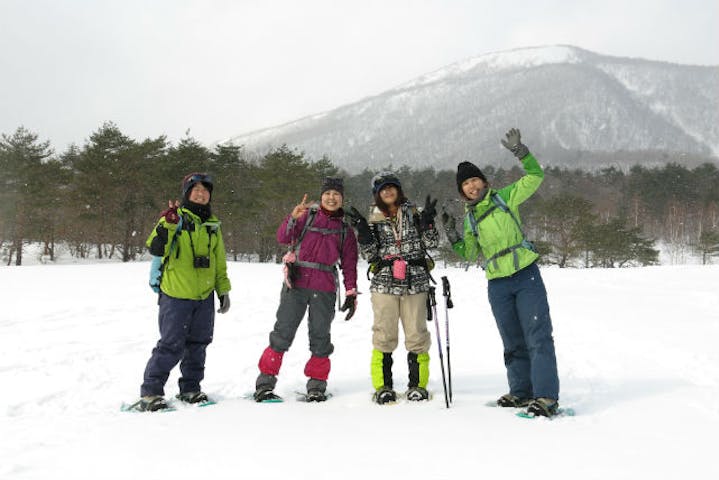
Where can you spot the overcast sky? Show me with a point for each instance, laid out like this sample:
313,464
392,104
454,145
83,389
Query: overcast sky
224,67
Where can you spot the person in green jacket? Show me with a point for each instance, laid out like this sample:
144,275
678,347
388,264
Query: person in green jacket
189,266
492,227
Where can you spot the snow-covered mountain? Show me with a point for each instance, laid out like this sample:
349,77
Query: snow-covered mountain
574,107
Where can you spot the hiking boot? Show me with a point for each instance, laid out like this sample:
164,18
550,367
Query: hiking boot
417,394
544,407
316,396
385,395
265,395
510,401
150,403
192,397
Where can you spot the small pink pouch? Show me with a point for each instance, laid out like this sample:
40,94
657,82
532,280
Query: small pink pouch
399,269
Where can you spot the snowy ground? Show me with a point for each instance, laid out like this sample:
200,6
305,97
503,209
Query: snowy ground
637,353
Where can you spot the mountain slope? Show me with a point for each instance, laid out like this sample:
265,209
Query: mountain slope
564,99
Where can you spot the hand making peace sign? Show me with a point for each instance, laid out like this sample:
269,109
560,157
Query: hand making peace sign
301,208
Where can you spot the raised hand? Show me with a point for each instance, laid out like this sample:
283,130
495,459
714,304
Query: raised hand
170,213
364,234
447,220
301,208
426,218
450,227
354,217
514,144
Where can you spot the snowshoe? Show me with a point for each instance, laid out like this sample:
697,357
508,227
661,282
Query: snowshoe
542,407
316,396
192,397
305,397
417,394
385,395
198,399
150,403
266,396
510,401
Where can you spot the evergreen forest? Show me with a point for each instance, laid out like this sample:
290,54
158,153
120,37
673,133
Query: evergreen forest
100,200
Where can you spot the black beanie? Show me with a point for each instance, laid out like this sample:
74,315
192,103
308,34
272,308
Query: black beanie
333,183
467,170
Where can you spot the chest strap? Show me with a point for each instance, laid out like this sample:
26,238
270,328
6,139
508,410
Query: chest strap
499,203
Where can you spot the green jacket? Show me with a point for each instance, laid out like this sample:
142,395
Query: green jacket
498,231
180,278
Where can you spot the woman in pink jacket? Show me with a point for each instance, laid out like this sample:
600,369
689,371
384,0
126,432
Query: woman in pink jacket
319,240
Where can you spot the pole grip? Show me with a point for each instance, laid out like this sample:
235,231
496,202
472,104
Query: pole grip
447,292
432,298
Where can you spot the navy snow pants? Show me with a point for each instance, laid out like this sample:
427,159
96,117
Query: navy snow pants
186,328
520,308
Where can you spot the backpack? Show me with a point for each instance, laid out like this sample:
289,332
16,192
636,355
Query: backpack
292,257
182,224
426,262
309,225
499,203
160,263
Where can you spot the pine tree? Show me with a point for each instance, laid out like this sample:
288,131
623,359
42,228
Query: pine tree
563,221
708,245
21,161
612,244
114,192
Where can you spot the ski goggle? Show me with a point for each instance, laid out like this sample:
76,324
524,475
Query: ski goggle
193,178
383,179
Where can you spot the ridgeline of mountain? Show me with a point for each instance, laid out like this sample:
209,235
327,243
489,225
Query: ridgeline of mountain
575,108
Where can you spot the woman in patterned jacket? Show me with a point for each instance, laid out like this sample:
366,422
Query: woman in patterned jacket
394,240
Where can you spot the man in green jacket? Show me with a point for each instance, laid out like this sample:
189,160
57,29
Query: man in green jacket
189,265
517,295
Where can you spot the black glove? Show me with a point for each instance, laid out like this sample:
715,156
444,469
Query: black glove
364,234
514,144
224,303
351,305
450,227
157,246
426,218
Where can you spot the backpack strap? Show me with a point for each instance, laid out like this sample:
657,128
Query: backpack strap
473,221
499,203
173,242
309,226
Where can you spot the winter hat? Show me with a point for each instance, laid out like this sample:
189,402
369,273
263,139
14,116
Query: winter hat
382,179
333,183
193,178
467,170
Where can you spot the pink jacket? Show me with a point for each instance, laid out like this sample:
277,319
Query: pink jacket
322,248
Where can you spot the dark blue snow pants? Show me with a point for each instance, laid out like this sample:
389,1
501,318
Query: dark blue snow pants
520,307
186,328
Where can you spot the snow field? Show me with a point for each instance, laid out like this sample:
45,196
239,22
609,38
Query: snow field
636,352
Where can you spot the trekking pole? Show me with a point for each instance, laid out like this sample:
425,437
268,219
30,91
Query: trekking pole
447,294
433,303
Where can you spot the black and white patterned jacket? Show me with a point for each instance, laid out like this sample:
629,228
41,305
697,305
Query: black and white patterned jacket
410,248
